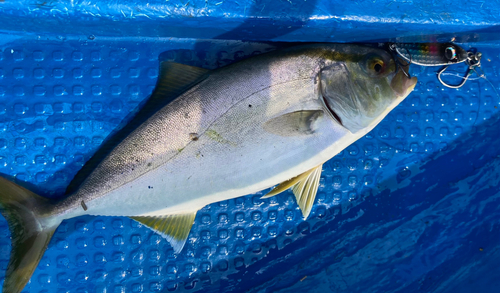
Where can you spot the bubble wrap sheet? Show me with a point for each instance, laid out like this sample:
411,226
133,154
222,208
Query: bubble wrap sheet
414,206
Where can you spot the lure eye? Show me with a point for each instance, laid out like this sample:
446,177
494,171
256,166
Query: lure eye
450,53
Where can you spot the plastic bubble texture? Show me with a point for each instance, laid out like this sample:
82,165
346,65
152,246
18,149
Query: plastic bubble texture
414,206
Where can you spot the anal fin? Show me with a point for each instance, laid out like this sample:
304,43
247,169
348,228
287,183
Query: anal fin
174,228
304,187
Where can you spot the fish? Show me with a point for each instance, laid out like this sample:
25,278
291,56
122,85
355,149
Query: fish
207,136
430,54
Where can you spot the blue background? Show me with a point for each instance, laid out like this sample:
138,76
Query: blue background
411,207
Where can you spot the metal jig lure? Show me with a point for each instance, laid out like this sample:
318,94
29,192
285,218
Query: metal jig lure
438,54
430,54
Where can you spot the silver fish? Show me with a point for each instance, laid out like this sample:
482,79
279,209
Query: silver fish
272,119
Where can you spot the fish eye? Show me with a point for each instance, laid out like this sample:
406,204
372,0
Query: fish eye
450,53
375,65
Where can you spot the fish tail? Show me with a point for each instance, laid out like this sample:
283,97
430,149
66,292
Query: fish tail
31,232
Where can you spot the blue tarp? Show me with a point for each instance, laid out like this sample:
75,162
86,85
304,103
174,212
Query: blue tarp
414,206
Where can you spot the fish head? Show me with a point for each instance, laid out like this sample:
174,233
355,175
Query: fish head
361,88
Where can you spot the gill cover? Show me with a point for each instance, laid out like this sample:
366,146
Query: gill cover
358,93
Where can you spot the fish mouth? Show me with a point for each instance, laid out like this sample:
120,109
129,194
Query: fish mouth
402,84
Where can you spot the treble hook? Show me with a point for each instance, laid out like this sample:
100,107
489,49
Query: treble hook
399,65
473,61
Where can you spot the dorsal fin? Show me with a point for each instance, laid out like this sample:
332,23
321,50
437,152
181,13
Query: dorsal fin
174,228
174,80
304,187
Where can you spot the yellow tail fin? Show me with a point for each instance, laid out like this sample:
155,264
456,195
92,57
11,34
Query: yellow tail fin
30,231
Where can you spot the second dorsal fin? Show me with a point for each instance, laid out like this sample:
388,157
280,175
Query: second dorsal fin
174,80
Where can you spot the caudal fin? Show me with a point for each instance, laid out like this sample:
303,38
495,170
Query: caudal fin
31,232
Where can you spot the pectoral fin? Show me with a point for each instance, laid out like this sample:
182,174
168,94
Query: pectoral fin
304,187
174,228
294,124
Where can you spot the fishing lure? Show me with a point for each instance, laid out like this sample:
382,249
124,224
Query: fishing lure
430,54
439,54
